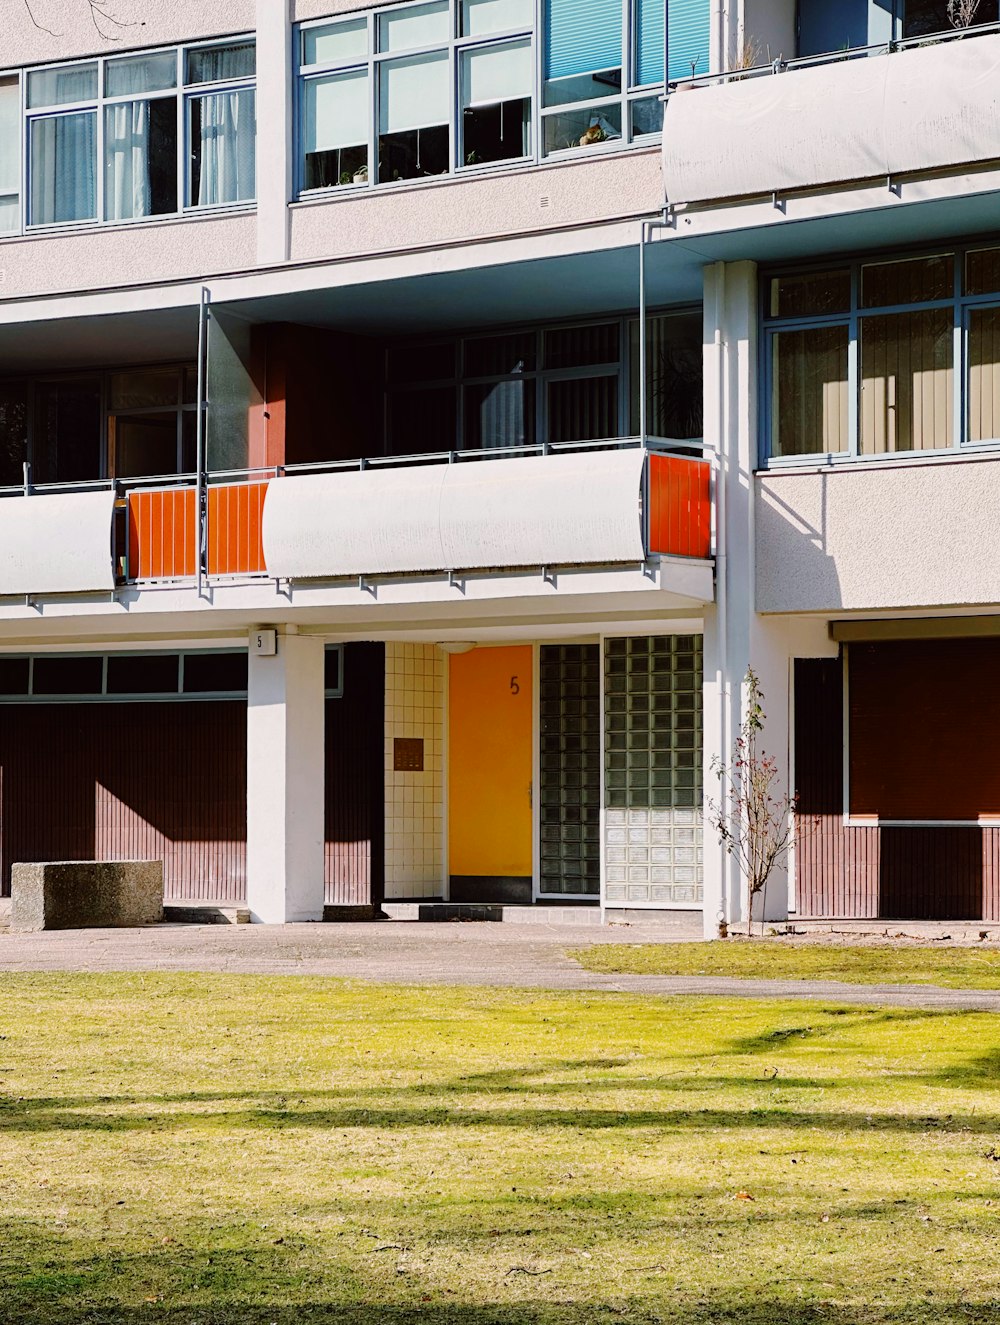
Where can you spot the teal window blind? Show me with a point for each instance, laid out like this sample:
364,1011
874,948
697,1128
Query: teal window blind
582,36
650,31
688,38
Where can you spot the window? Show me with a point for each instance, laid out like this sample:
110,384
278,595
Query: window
420,90
136,136
516,389
884,357
597,66
10,156
129,423
152,420
13,432
56,678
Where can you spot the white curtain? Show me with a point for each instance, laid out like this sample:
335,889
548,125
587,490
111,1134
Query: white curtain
64,168
10,156
127,190
226,171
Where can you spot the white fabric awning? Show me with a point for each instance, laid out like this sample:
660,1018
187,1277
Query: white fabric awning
575,509
56,543
864,118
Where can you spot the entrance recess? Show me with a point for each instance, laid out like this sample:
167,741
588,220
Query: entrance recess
489,772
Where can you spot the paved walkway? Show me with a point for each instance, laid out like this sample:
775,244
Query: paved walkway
397,952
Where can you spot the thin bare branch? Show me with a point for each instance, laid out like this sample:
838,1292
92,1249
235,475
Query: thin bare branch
107,24
40,26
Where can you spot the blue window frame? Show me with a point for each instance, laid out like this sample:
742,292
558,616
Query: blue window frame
882,356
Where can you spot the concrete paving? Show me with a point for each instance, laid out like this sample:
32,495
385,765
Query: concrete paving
400,952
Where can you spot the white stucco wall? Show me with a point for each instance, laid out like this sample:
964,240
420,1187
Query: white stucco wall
879,536
519,201
65,29
303,10
105,256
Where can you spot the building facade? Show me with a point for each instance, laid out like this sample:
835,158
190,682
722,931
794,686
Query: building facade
415,418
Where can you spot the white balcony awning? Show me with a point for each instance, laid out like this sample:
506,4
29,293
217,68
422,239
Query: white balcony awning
565,510
925,108
56,543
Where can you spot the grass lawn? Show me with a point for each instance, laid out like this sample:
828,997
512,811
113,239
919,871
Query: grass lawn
755,959
195,1150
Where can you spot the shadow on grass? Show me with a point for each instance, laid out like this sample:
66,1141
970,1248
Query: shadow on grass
14,1118
636,1310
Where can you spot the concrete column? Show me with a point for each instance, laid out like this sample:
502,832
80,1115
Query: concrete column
274,129
285,782
736,635
730,347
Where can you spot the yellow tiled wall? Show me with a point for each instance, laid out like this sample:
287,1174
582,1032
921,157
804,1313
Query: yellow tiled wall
414,802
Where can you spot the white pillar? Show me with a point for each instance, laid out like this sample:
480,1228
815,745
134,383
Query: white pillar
285,782
274,129
730,348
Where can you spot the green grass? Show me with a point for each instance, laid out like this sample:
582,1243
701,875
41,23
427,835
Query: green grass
200,1150
765,959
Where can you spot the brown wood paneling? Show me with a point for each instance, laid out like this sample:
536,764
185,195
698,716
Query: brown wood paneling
129,781
925,728
931,874
836,869
991,873
906,873
355,780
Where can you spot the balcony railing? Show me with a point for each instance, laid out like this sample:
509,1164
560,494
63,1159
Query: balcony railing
600,503
876,113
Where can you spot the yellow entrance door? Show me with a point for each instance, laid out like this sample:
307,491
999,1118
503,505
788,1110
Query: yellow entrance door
489,774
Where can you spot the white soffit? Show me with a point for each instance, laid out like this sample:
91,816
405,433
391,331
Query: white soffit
864,118
546,510
56,543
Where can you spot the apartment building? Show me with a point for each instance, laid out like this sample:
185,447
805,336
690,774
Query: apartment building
414,419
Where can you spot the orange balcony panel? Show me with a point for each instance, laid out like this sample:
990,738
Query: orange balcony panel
680,507
162,534
235,512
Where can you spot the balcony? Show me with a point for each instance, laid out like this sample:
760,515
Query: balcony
583,505
875,114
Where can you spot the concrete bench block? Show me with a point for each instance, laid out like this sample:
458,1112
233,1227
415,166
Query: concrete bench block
86,894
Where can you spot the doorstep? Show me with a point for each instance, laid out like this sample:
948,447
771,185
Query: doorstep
205,913
684,922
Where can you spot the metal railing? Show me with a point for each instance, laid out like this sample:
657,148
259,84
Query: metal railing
780,65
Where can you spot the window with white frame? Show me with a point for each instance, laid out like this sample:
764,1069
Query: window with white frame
422,89
10,153
378,94
129,137
883,356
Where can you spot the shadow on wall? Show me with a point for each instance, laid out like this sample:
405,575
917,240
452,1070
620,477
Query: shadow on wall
794,571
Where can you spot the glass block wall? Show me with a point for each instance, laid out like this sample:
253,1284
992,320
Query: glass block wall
570,759
653,771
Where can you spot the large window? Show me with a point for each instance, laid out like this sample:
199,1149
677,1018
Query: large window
884,357
132,423
130,137
605,65
574,383
422,89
